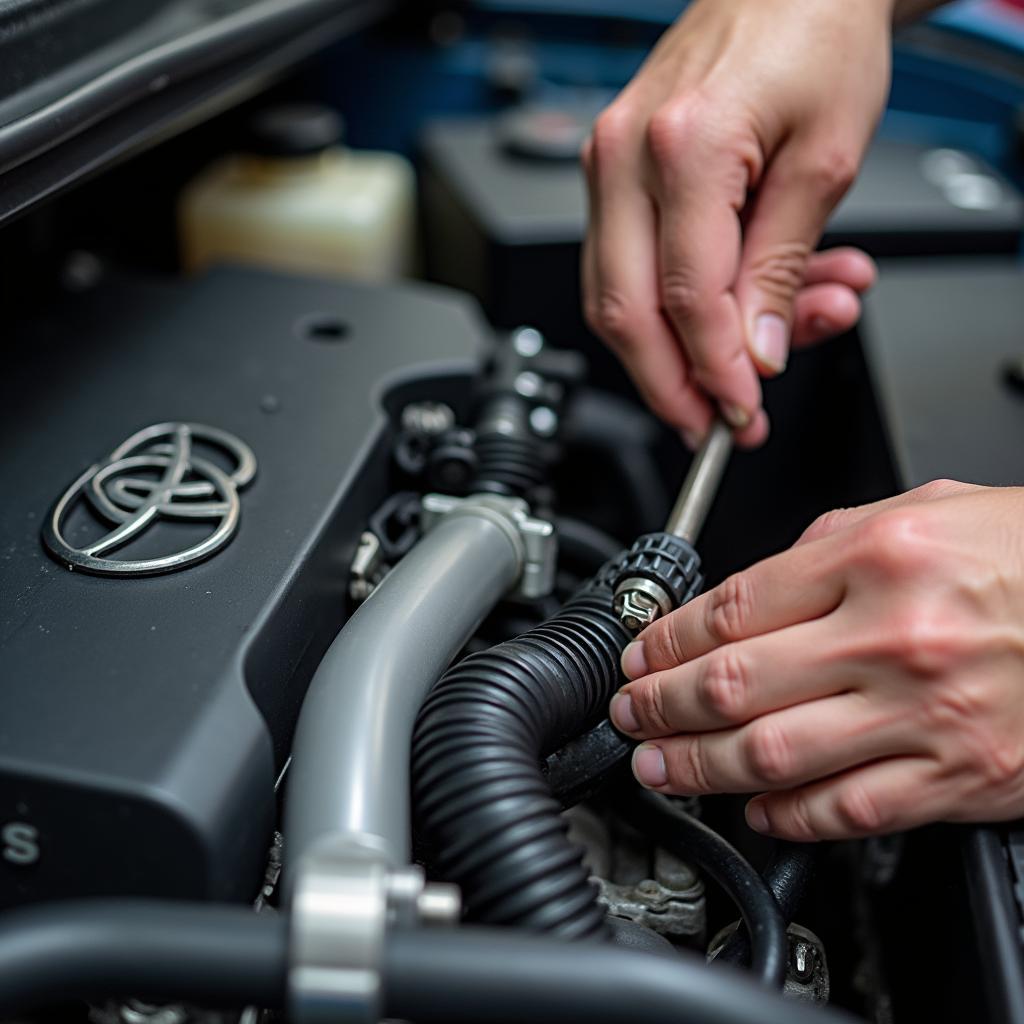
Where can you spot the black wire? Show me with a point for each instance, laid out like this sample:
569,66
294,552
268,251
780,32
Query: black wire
691,839
787,875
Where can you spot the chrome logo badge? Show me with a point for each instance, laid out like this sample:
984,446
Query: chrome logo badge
155,475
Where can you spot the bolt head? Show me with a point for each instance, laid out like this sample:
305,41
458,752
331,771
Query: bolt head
636,610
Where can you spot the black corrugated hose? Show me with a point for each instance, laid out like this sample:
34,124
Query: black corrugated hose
481,800
485,807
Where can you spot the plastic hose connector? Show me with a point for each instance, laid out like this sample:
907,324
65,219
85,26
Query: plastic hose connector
667,560
482,804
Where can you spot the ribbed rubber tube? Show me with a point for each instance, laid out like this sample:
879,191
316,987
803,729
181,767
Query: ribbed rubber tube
481,800
508,464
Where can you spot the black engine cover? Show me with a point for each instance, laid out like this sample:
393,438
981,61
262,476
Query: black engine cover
143,720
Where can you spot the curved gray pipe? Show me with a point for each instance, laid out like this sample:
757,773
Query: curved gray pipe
350,762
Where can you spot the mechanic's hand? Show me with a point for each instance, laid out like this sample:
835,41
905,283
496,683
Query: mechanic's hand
711,177
868,680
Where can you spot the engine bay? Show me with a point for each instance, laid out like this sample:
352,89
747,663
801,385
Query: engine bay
315,583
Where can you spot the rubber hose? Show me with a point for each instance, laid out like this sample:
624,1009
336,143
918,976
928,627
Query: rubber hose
508,464
585,765
583,544
787,875
480,796
158,951
479,976
692,840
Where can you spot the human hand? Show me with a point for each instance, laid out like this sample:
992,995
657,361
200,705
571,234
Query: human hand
711,177
868,680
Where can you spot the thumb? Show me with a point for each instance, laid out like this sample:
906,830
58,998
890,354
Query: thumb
784,226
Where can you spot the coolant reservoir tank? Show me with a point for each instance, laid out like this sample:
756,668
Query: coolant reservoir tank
296,200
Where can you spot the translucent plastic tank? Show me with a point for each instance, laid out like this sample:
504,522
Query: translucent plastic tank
296,200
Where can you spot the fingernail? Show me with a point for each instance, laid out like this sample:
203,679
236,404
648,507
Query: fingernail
691,439
634,664
621,713
736,416
757,819
771,341
649,765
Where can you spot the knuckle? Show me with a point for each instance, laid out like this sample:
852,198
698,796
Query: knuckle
610,315
694,771
1002,761
649,704
827,523
663,643
832,171
793,819
769,753
925,641
779,271
860,812
681,292
939,489
723,686
730,608
894,542
611,135
669,131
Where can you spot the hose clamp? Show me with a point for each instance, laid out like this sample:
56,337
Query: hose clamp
344,899
535,540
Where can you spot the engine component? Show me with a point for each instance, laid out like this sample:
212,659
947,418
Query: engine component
787,875
480,796
662,571
349,771
227,956
807,975
343,901
347,813
671,903
145,719
690,838
500,977
366,570
538,538
640,883
152,950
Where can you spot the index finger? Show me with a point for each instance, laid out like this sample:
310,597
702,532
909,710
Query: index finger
701,188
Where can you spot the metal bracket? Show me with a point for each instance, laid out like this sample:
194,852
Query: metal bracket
345,897
367,568
535,539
